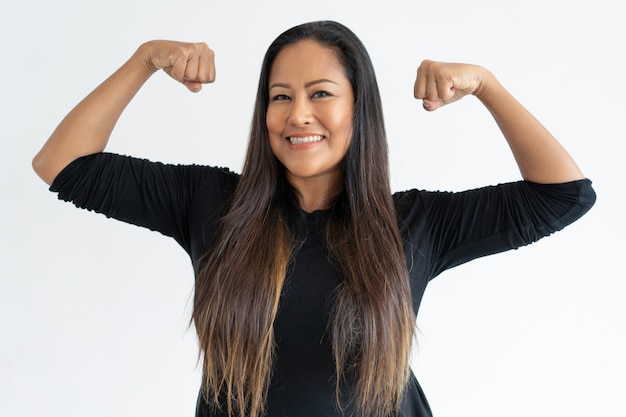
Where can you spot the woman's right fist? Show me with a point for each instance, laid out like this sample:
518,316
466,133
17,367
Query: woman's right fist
192,64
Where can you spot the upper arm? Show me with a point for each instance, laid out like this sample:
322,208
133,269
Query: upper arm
148,194
459,227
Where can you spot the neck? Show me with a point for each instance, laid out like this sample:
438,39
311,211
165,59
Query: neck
316,194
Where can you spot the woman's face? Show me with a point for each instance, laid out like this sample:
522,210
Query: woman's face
309,117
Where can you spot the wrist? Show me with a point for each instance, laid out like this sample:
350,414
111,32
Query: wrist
485,83
489,88
144,58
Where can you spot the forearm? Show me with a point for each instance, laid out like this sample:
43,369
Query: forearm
86,129
539,156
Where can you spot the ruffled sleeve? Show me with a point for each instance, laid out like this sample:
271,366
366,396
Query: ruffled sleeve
149,194
447,229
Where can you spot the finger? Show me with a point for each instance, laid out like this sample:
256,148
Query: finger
419,89
177,68
445,86
192,80
193,86
206,65
432,90
191,67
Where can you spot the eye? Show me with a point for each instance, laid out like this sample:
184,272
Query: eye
322,93
280,97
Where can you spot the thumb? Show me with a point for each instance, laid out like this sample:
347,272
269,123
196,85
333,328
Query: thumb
432,105
193,86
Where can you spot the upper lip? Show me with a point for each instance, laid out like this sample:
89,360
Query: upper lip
303,135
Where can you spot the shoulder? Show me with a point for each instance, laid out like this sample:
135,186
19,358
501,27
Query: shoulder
413,200
111,164
108,174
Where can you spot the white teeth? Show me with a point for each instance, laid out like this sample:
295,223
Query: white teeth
305,139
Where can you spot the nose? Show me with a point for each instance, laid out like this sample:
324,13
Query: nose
301,112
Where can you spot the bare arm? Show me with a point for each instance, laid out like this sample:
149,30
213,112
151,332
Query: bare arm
86,129
539,156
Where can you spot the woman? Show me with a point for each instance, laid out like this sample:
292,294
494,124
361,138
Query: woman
309,271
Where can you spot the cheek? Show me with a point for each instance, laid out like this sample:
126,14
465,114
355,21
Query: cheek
347,122
343,124
274,130
272,121
340,116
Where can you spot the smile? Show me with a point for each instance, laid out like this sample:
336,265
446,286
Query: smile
305,139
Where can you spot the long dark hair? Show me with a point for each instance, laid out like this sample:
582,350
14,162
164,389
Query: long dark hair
240,279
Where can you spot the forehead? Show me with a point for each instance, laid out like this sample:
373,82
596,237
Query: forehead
306,60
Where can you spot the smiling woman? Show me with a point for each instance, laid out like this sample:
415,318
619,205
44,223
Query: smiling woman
309,120
309,271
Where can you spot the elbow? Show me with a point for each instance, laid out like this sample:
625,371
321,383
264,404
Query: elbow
588,194
42,169
585,200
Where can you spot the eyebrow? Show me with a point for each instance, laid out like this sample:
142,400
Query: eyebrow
307,85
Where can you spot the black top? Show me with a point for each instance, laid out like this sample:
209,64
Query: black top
439,229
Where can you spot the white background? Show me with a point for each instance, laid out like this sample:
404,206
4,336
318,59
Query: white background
94,313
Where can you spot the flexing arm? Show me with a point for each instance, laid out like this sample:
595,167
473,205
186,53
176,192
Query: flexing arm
538,154
86,129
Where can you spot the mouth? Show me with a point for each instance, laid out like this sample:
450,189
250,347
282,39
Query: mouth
296,140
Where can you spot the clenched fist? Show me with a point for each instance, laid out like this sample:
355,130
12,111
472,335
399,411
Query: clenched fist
441,83
192,64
